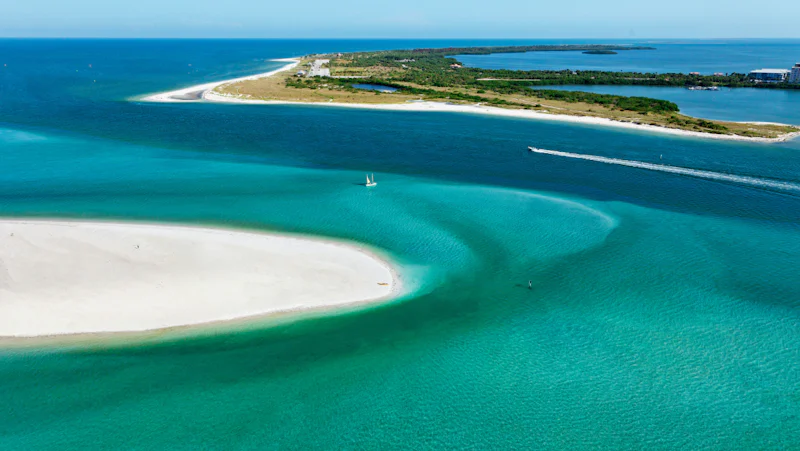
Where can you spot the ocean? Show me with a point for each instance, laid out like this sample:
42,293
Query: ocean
664,311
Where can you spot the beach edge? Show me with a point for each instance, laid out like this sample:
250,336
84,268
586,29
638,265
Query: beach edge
233,323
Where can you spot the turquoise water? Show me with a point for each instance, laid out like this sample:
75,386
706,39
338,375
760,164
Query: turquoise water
664,310
706,57
727,104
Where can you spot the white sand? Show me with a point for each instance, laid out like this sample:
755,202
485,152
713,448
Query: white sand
208,94
204,88
495,111
88,277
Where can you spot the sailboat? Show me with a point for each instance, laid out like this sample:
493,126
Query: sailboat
371,182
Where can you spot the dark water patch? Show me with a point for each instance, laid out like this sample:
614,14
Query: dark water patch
196,95
374,87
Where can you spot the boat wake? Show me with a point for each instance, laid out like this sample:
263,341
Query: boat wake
711,175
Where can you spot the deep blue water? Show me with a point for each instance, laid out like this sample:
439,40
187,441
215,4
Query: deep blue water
727,104
670,56
664,313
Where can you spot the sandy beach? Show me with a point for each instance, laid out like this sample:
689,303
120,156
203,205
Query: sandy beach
505,112
59,277
206,92
196,93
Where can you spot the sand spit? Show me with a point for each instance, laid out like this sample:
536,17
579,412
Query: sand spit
59,277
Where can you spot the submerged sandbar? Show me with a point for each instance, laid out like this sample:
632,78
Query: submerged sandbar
60,277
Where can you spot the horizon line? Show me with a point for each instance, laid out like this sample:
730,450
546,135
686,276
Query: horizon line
392,38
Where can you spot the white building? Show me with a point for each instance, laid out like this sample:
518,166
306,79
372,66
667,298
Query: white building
769,75
794,76
317,70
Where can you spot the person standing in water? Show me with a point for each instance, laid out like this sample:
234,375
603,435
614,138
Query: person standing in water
530,285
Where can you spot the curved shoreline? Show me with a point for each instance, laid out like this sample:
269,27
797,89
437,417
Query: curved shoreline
205,92
428,106
74,279
201,90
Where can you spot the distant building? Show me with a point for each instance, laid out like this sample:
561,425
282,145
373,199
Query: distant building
455,66
301,73
794,76
719,74
694,73
769,75
317,70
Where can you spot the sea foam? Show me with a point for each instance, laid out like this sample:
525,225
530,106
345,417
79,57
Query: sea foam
711,175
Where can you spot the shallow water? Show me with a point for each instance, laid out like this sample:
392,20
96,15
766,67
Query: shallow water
664,309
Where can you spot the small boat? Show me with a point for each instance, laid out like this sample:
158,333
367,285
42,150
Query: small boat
703,88
371,182
532,149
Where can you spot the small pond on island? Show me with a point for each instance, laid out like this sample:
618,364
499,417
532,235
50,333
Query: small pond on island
373,87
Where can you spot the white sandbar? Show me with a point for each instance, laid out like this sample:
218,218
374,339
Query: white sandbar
201,90
91,277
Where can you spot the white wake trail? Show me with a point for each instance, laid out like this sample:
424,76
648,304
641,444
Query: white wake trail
753,181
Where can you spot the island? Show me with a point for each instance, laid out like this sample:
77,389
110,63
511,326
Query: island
600,52
434,79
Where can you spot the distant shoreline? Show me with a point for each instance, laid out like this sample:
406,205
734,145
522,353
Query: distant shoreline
205,92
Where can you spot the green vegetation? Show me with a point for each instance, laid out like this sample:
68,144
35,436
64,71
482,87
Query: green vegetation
450,51
529,48
642,105
568,77
431,94
434,74
433,67
687,122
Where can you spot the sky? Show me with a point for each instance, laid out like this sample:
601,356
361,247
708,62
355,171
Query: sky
613,19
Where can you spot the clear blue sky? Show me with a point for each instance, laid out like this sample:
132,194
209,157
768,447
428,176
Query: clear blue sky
400,18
